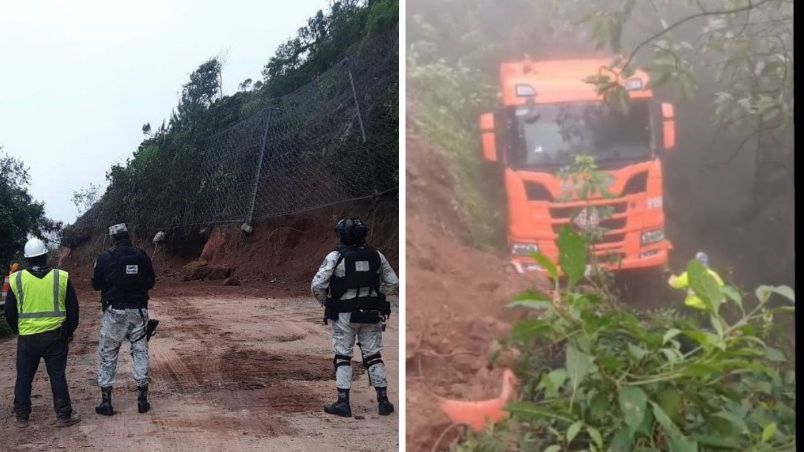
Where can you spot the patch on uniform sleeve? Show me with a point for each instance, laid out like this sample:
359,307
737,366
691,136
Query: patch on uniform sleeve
132,269
362,266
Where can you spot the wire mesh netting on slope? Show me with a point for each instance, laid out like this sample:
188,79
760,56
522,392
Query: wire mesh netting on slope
333,140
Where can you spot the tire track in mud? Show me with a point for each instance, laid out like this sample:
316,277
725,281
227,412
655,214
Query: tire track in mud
222,379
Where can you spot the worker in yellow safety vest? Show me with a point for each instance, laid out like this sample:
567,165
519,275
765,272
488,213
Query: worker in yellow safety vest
681,282
43,308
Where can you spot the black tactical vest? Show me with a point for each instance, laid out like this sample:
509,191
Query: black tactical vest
362,269
127,272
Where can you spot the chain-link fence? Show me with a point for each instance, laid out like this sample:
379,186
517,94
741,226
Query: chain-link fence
330,141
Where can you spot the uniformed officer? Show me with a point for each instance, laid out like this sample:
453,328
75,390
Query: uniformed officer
352,283
124,275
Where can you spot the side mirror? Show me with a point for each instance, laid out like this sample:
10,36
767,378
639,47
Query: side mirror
488,137
668,127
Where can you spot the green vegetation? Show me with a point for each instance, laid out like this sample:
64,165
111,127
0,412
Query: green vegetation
19,213
452,61
736,54
627,382
596,376
167,169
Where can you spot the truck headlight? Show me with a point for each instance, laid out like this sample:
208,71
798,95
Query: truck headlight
523,249
654,203
652,236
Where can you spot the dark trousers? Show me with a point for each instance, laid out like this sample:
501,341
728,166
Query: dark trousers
52,346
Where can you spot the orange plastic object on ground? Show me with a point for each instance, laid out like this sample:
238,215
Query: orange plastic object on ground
478,414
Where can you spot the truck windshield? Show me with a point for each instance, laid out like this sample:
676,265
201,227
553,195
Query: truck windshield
552,134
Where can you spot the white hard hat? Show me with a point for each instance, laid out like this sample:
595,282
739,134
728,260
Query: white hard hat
35,247
117,229
701,257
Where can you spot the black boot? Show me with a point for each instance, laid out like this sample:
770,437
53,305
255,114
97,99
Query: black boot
142,400
105,407
385,405
341,407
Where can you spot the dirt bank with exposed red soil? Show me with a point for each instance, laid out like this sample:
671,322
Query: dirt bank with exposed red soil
456,301
233,367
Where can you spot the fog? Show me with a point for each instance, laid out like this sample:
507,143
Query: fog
728,204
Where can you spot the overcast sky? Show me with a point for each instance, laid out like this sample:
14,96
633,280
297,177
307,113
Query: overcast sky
79,78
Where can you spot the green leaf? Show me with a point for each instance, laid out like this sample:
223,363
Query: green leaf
716,324
699,370
545,263
665,421
673,355
538,305
622,441
573,430
671,403
768,431
646,426
733,419
670,334
732,294
579,364
705,339
715,441
764,292
632,403
774,355
532,411
571,254
637,351
682,444
704,285
599,406
553,381
532,328
595,435
553,448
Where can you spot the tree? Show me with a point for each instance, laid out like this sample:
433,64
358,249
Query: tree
146,129
204,84
197,95
86,197
245,85
20,215
746,44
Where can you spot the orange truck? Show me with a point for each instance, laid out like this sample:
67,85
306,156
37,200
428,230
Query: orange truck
548,116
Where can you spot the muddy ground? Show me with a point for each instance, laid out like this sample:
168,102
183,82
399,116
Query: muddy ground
456,303
233,368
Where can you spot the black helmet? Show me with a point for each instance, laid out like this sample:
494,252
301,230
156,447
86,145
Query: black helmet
352,231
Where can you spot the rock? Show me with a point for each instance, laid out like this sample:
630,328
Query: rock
218,272
196,270
231,281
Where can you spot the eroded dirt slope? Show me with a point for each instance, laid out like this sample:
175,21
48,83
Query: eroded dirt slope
456,298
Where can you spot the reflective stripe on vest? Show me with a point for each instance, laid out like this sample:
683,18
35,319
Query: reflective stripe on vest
41,303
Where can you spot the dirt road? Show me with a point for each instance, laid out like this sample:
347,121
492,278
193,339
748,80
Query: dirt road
230,371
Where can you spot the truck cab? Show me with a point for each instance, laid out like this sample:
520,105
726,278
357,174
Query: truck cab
549,115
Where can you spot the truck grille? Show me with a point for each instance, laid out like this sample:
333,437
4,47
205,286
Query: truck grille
567,212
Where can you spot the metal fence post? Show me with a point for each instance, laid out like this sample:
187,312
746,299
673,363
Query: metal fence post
348,62
256,186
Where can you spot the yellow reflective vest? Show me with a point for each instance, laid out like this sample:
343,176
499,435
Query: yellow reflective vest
41,303
692,300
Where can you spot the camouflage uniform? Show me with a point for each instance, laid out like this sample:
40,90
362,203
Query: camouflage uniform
118,325
344,333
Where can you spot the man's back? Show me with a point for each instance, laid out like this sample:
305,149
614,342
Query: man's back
124,275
